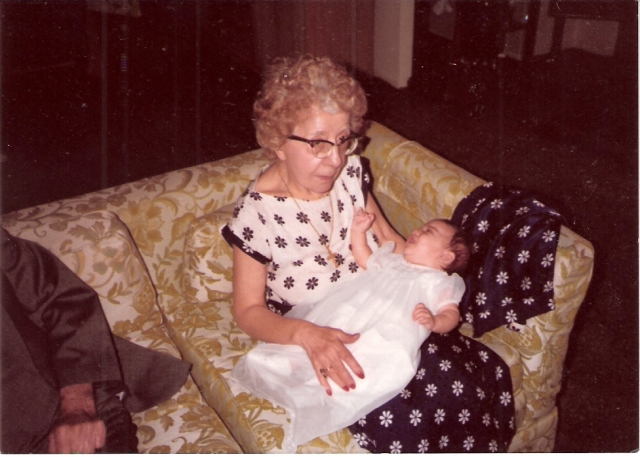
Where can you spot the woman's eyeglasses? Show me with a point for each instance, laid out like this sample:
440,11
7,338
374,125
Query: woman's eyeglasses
322,148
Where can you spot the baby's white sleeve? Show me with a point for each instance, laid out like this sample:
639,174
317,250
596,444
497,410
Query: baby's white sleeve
376,260
448,290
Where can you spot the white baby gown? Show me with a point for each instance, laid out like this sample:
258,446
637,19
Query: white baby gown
377,304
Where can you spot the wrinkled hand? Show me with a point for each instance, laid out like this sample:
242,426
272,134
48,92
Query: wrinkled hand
362,221
77,434
423,316
326,350
78,429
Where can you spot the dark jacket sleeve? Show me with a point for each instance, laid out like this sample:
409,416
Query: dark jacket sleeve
55,300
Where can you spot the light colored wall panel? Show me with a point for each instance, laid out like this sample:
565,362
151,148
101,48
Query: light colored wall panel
393,41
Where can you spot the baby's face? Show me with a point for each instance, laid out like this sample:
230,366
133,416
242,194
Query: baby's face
427,245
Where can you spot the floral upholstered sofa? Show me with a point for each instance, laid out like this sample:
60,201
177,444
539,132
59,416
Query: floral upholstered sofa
153,251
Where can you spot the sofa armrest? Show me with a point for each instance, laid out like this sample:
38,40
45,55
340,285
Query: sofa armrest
543,342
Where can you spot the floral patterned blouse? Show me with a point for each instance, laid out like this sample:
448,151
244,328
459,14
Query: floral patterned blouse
291,237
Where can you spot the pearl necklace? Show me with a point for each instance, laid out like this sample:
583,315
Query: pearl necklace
330,254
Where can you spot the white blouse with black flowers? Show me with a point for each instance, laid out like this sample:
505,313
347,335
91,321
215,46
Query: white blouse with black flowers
275,232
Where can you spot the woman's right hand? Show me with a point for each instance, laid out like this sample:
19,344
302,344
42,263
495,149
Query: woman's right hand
328,354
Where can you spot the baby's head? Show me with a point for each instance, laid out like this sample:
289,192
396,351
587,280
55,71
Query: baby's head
438,244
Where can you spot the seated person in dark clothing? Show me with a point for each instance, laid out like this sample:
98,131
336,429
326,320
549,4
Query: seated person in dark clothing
64,375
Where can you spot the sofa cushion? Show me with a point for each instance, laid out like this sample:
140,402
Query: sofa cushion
98,248
183,424
208,337
207,262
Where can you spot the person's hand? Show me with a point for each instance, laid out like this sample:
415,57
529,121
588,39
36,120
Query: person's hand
326,350
77,429
423,316
362,221
79,433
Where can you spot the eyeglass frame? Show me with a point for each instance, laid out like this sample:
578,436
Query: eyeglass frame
333,145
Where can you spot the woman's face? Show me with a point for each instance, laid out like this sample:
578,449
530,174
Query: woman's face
307,176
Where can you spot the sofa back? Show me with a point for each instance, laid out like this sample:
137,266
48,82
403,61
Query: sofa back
157,212
411,183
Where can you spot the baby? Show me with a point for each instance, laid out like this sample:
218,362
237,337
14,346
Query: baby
438,244
385,305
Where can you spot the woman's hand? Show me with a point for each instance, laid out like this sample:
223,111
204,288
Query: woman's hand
326,350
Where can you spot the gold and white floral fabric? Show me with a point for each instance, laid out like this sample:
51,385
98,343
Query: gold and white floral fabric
98,248
208,263
174,221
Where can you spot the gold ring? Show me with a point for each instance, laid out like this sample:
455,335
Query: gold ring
325,371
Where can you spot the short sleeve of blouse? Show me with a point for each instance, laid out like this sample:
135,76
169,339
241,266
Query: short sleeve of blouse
447,290
245,226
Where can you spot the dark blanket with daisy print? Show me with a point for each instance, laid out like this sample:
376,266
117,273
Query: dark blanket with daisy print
513,238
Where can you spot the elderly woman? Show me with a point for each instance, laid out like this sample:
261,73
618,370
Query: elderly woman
290,235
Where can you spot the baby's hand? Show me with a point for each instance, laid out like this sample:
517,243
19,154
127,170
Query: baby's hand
362,220
423,316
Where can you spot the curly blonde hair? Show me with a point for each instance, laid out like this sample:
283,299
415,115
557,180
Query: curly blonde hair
295,84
